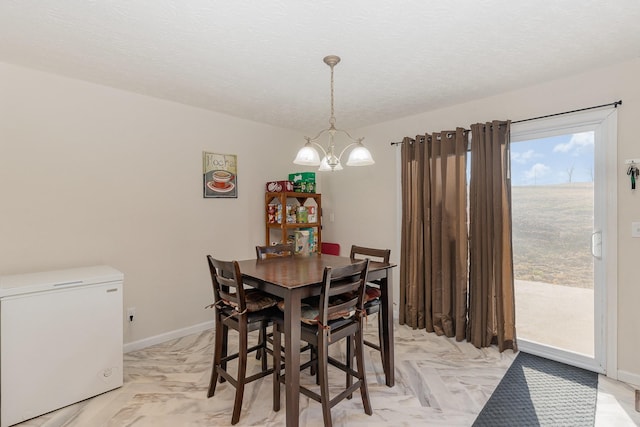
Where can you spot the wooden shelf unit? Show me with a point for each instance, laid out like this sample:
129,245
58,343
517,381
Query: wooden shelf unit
297,199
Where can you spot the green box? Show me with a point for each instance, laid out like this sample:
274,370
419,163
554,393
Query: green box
303,182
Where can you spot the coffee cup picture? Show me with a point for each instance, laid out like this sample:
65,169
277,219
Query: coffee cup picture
219,175
221,178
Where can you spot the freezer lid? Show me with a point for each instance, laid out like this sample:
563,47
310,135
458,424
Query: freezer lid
59,279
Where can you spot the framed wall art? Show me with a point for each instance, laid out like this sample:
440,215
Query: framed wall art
219,175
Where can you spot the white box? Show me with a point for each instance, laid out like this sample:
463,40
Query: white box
60,339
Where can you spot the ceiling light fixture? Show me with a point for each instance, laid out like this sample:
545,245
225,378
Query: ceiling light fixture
309,156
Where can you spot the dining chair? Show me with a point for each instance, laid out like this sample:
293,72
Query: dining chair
243,311
335,318
269,251
372,292
279,249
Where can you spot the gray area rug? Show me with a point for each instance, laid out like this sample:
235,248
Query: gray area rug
540,392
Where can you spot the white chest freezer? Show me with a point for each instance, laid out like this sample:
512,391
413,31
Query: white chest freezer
60,339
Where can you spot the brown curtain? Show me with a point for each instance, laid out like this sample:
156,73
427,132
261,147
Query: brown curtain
491,284
433,268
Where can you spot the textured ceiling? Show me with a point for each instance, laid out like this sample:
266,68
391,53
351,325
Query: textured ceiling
262,60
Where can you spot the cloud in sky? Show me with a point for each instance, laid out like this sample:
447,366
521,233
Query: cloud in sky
523,157
536,171
546,161
578,142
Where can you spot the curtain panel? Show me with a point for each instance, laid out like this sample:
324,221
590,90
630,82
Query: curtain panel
456,278
433,267
491,283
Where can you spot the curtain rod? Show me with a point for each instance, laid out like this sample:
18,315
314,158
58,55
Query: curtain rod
614,104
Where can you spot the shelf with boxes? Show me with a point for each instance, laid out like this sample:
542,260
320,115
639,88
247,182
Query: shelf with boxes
299,182
294,217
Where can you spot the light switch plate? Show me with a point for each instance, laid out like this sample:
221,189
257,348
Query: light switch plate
635,229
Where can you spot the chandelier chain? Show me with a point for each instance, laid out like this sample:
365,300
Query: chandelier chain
332,119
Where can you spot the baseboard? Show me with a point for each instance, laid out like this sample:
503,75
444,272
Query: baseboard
158,339
629,378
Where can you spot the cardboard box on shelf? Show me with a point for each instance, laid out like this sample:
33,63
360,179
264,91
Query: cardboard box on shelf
313,238
303,182
279,186
311,214
291,217
302,215
301,242
271,213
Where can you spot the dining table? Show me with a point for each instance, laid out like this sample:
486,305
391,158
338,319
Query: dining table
294,278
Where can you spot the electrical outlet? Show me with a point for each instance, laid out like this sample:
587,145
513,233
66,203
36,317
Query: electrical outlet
131,313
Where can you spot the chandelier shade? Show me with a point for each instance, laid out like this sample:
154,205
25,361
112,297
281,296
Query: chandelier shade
360,156
324,165
309,154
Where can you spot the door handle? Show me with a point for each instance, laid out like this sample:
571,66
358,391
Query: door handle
596,244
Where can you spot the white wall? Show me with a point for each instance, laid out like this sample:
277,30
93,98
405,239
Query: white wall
90,174
94,175
366,212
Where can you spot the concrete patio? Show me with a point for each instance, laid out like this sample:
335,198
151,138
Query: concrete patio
555,315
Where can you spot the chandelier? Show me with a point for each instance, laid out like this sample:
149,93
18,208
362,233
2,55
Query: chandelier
309,156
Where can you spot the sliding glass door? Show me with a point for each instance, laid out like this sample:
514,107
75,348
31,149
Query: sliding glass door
553,221
560,211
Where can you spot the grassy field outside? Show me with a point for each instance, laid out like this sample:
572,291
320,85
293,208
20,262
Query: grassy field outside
552,226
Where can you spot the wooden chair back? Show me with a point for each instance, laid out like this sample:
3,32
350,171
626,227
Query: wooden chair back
227,283
348,283
379,255
278,250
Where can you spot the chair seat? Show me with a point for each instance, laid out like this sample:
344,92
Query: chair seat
373,306
309,310
372,293
264,315
333,325
255,300
372,301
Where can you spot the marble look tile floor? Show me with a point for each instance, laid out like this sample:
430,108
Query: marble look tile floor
439,382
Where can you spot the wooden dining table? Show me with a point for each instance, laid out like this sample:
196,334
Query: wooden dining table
297,277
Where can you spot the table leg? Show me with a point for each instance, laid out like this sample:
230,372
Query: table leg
292,356
387,322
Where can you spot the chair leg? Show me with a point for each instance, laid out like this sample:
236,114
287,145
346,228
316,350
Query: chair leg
381,336
323,373
312,368
225,347
262,351
261,337
349,381
364,390
277,356
242,371
217,356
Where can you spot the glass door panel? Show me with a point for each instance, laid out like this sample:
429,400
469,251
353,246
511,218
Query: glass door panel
553,222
